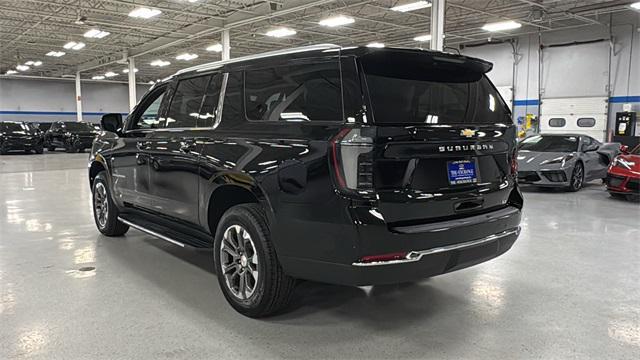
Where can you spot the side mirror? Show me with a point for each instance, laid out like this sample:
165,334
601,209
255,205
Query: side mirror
591,148
111,122
624,149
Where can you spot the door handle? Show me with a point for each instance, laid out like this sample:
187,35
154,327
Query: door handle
186,146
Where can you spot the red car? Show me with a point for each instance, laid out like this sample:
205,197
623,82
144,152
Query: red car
623,176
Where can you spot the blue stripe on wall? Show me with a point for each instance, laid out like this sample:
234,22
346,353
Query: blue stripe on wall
612,100
529,102
51,113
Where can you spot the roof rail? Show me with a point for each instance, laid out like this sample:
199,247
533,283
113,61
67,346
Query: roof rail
217,64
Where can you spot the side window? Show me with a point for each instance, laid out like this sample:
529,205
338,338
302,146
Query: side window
232,100
298,93
185,105
209,111
586,122
148,119
557,122
586,142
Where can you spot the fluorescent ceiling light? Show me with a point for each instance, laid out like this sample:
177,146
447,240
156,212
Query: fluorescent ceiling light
144,13
215,47
501,26
160,63
126,71
22,68
110,74
98,77
95,33
187,57
375,45
55,53
37,63
11,72
72,45
416,5
337,21
423,38
281,32
29,63
635,5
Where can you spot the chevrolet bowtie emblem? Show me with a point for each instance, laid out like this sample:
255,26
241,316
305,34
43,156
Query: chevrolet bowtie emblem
468,133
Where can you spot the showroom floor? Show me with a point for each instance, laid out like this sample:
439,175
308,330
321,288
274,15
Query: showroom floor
569,288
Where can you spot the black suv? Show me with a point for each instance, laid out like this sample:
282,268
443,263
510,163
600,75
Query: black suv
352,166
73,136
16,135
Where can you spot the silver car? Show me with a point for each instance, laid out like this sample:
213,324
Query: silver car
563,160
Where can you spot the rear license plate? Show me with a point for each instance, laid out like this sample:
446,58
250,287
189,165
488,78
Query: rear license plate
462,172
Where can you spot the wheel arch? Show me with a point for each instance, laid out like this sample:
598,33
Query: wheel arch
97,165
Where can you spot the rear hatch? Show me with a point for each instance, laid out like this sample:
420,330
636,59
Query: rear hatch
443,143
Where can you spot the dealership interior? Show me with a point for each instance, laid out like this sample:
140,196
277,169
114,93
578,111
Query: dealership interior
567,70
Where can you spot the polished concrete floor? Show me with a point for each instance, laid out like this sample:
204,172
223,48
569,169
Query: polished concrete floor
569,289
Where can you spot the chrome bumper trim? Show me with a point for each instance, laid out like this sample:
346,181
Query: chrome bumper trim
414,256
150,232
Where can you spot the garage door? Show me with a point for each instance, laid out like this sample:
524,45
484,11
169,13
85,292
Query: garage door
574,89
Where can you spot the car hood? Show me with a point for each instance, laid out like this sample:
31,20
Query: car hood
19,134
631,160
532,160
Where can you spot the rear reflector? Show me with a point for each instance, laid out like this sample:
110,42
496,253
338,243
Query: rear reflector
384,257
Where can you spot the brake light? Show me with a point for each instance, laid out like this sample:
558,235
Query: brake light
352,160
514,163
384,257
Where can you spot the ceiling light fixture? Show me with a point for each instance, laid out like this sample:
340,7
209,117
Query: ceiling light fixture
110,74
215,48
55,53
337,21
96,34
72,45
160,63
144,13
501,26
126,71
187,57
375,45
423,38
412,6
281,32
11,72
98,77
22,68
635,5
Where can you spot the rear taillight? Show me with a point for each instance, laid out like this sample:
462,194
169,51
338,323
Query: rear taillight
514,163
352,160
384,257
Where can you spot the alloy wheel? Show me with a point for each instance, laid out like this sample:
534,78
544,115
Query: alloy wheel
100,204
239,262
577,177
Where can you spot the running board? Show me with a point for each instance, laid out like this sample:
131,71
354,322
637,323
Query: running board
150,232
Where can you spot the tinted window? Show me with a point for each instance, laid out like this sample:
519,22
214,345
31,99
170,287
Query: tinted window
586,122
294,93
232,103
78,126
557,122
544,143
11,127
209,110
186,102
418,89
150,115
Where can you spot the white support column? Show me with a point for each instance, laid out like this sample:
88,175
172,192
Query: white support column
78,97
132,84
226,53
437,25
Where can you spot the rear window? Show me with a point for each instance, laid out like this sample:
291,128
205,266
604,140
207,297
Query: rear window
445,91
78,126
11,127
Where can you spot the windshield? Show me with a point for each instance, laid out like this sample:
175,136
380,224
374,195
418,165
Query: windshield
78,126
550,143
13,127
443,91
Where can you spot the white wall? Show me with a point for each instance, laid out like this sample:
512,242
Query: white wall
53,100
575,71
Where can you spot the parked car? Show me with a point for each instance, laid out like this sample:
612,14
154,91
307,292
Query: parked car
623,176
42,126
292,166
16,135
73,136
563,160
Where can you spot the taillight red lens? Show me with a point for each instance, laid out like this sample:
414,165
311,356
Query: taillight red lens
352,159
514,163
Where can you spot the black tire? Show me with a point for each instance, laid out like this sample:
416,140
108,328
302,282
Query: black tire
51,148
109,225
3,151
577,177
39,149
71,149
272,287
618,196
